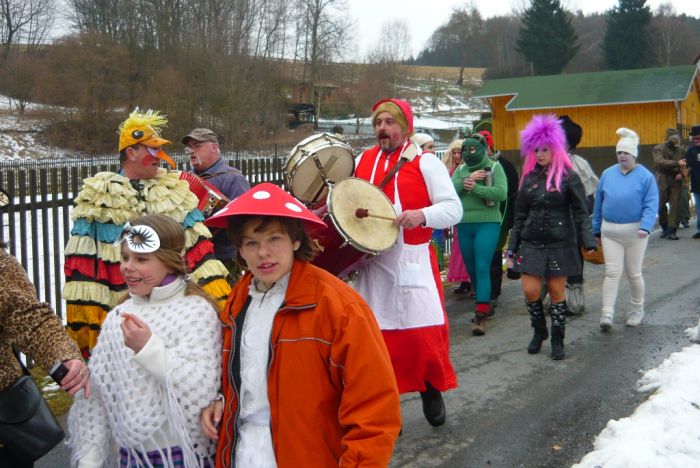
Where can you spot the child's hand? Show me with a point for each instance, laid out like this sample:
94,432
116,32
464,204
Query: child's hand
136,332
209,419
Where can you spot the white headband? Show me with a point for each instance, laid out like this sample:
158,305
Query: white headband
140,239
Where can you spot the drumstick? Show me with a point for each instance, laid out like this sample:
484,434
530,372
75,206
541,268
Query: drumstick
364,213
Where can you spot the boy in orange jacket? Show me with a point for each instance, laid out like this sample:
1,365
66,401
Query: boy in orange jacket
307,379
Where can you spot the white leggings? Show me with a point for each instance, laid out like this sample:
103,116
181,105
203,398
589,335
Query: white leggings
622,249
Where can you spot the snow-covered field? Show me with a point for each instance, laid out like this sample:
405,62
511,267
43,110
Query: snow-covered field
18,140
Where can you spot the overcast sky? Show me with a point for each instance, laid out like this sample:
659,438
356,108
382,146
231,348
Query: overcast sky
425,16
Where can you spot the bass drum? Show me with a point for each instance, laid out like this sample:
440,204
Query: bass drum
303,177
347,239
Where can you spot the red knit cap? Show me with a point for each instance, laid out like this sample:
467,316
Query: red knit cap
403,106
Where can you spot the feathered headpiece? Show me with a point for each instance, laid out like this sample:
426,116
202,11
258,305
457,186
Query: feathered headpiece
144,128
545,131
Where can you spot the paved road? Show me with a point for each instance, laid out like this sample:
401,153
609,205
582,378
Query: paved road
516,410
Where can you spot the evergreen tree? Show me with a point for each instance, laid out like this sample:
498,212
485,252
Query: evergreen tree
627,42
547,39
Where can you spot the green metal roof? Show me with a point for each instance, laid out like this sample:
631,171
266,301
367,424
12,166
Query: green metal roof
593,89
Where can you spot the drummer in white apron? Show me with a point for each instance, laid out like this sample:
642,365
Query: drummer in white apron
402,285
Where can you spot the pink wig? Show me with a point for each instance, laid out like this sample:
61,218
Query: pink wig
545,131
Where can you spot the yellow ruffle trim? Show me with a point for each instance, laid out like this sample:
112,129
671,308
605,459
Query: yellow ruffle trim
90,291
195,232
209,269
85,336
219,288
109,197
83,245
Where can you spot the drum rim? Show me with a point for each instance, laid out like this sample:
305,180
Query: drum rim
346,238
289,173
315,136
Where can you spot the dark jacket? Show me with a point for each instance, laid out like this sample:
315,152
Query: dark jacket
693,159
232,183
666,165
513,179
550,219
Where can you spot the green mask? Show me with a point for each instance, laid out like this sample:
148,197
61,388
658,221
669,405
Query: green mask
475,156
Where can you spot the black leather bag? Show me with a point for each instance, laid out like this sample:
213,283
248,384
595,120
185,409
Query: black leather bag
28,428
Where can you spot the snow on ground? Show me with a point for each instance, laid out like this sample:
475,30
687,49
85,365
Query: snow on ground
664,431
19,140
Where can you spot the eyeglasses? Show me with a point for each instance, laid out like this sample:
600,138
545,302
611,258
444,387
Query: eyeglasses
195,146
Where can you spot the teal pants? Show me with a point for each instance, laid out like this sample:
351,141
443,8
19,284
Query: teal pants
477,242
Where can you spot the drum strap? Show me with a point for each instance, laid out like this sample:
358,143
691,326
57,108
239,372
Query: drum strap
408,153
392,172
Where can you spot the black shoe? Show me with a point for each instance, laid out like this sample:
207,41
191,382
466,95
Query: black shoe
539,335
696,235
683,224
557,341
433,406
664,234
464,287
672,236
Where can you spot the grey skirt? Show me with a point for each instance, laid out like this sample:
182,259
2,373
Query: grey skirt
548,262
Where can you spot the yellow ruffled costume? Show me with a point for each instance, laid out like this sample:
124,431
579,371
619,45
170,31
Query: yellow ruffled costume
107,201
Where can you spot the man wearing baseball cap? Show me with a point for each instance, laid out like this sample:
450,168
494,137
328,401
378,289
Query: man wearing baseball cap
202,146
106,202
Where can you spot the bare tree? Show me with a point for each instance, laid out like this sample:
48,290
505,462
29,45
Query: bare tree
393,47
394,44
668,33
26,21
326,33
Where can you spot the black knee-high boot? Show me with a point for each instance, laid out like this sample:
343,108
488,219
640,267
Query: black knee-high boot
557,312
539,325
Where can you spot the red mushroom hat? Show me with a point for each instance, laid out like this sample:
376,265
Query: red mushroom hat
265,199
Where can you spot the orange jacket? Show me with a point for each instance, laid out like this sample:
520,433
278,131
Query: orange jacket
332,391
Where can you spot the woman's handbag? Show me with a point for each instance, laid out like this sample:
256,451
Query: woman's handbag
596,257
28,429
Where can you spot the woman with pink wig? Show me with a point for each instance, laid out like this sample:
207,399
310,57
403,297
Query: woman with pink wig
549,211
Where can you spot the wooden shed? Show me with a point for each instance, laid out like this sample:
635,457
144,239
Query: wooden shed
647,100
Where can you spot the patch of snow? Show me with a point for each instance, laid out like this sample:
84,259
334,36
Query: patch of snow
663,431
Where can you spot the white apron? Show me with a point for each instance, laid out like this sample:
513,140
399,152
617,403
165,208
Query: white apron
398,284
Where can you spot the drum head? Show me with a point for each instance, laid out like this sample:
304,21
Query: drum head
303,176
370,235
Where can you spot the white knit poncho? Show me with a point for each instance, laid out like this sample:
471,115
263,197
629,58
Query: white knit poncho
152,400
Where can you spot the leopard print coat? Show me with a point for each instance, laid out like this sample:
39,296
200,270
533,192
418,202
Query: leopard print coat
30,325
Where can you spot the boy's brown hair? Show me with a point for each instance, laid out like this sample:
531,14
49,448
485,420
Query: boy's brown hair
291,226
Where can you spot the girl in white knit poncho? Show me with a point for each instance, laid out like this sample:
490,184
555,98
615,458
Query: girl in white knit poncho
156,363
